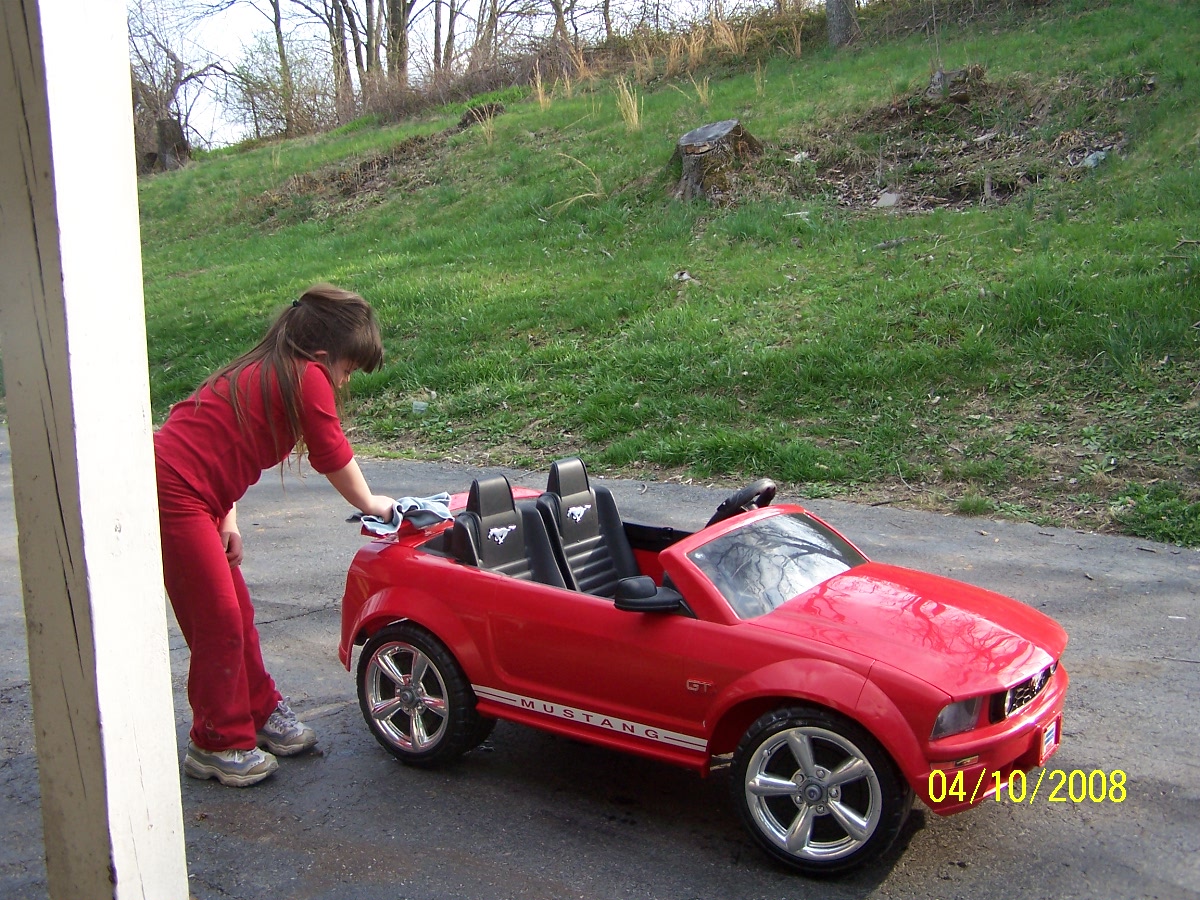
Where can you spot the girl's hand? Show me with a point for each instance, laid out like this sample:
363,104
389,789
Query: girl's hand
231,538
381,507
233,548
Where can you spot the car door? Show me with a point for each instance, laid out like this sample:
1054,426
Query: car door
577,656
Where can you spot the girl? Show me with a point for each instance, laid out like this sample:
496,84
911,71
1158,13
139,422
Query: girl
279,398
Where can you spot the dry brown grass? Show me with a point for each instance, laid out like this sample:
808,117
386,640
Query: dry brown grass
675,59
697,47
797,47
487,124
642,62
729,38
539,89
629,104
583,70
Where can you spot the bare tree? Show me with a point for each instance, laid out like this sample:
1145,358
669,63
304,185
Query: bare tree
373,32
496,24
286,84
266,107
351,28
487,32
484,48
342,85
453,11
840,22
399,21
437,39
559,9
331,14
377,38
167,81
272,10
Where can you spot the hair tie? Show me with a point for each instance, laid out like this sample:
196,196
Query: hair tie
295,303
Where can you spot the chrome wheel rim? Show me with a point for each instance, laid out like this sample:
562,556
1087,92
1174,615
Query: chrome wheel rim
813,794
406,697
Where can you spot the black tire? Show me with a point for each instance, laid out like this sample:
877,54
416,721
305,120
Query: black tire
416,699
482,732
816,791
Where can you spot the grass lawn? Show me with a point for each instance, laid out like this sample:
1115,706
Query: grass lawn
1018,336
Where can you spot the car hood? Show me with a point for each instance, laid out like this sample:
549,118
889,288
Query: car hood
957,637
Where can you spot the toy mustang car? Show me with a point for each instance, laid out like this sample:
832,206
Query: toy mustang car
841,687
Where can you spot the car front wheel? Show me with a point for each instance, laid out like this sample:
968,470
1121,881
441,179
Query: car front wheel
415,697
817,791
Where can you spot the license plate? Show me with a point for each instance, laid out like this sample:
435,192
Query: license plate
1049,740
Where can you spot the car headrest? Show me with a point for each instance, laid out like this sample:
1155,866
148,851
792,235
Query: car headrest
489,532
490,496
568,477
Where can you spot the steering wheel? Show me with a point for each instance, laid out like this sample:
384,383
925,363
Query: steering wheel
752,496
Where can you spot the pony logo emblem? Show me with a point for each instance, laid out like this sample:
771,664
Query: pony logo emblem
499,534
576,513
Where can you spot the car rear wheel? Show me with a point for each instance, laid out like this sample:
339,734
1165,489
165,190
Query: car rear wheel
817,791
415,697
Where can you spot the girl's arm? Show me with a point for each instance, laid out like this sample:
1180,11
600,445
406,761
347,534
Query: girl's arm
351,484
231,537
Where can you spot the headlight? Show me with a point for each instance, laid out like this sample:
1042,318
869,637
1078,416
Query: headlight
957,717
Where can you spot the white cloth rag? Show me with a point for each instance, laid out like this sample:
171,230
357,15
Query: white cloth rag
420,512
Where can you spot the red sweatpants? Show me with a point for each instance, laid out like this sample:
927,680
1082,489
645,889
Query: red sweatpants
229,690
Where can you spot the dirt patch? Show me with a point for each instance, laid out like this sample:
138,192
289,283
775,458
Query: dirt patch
350,185
337,190
961,141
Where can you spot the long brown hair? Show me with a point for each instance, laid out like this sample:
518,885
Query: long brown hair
324,318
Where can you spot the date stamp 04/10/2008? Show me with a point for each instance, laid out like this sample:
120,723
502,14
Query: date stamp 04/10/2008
1054,785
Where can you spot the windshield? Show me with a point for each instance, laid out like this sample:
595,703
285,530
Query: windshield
767,563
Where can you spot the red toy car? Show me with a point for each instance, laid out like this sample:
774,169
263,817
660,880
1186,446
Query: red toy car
840,687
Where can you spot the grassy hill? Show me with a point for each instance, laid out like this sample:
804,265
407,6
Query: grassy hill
1018,336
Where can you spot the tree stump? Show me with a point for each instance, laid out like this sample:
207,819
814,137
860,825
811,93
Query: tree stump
173,148
706,153
960,86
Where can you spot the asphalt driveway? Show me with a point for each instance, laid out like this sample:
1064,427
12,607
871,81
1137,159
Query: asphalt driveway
534,816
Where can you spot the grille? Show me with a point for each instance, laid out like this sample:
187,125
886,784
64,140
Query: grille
1020,695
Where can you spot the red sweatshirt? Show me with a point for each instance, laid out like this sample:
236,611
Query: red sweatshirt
203,444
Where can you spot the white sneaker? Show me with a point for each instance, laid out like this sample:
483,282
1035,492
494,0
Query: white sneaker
233,768
284,734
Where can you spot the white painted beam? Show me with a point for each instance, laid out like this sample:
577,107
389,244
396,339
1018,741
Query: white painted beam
75,370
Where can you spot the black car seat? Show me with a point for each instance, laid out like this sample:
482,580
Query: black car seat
497,534
586,529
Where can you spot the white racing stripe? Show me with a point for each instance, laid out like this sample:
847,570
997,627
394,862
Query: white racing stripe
596,720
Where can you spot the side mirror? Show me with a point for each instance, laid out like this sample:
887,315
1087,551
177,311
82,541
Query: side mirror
640,594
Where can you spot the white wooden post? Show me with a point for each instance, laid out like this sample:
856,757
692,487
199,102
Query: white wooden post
75,372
